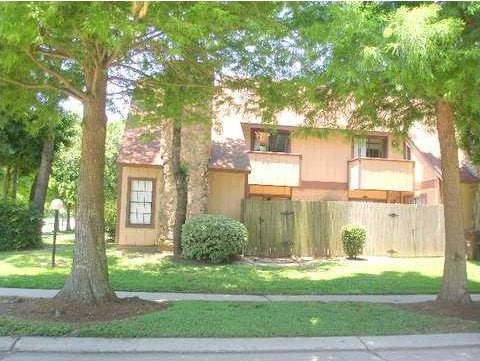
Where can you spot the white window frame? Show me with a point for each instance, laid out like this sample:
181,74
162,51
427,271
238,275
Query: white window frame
141,202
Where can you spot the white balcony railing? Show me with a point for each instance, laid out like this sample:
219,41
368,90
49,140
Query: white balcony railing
274,169
381,174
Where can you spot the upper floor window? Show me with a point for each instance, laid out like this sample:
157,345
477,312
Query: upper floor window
140,203
370,147
270,142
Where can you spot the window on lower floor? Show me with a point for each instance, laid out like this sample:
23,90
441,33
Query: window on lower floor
140,203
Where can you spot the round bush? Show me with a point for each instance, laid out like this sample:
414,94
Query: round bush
353,238
213,238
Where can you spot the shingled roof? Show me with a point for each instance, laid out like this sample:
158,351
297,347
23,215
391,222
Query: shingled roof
141,146
229,154
426,142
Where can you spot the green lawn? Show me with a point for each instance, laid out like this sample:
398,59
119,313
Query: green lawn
155,272
235,319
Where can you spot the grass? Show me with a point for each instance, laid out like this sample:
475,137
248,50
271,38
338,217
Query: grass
155,272
250,319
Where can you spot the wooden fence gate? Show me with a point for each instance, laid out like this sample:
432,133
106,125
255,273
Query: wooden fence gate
282,228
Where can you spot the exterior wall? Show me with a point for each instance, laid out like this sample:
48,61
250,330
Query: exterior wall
467,194
427,183
323,159
263,191
138,236
396,147
315,194
430,196
227,189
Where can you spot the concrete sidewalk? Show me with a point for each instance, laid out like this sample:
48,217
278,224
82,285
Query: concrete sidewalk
237,345
176,296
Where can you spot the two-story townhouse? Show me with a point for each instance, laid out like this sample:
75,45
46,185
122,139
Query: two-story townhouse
251,160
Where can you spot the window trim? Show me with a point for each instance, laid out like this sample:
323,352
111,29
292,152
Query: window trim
129,192
278,131
408,152
386,148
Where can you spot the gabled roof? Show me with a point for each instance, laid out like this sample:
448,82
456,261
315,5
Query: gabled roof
229,154
426,142
141,146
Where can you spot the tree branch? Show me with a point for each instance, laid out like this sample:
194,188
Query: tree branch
67,87
29,86
53,54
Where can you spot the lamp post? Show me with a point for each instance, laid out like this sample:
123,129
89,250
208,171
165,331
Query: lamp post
55,205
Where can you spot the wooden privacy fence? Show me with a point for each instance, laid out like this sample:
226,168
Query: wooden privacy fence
282,228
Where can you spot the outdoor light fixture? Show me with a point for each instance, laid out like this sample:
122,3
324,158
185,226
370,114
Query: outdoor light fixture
55,205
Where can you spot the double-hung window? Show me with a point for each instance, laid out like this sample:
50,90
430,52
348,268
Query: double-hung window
140,204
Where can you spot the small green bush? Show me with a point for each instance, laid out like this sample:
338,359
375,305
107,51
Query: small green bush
213,238
110,221
20,227
353,238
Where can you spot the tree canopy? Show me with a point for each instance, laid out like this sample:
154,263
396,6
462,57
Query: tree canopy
95,51
395,64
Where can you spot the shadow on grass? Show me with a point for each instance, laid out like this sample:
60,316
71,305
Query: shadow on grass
167,274
247,281
253,281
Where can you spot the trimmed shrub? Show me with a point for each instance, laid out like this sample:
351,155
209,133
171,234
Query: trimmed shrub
353,238
213,238
20,227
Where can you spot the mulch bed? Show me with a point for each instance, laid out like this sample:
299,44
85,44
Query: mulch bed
469,312
55,310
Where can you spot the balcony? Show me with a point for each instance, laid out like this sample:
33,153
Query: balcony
381,174
274,168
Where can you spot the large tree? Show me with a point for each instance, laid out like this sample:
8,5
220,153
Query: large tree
23,135
19,150
78,49
391,65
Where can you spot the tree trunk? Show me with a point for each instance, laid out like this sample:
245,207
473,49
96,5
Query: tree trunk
181,185
32,188
69,209
88,282
43,175
454,284
14,183
6,182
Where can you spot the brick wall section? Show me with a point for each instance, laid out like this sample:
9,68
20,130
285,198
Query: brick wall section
195,153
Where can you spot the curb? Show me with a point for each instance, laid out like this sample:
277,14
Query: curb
7,343
237,345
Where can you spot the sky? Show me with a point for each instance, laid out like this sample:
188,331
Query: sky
118,111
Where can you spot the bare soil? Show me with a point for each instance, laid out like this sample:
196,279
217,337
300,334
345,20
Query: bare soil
54,310
469,312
